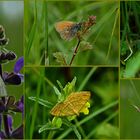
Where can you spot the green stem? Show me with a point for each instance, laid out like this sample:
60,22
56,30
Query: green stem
51,134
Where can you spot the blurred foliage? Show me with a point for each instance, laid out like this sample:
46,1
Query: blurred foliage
130,39
129,116
104,101
11,18
42,40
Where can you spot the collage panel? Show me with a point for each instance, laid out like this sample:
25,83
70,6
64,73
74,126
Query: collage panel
130,39
62,32
130,109
36,32
11,70
83,32
71,103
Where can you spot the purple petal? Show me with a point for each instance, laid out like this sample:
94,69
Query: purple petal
19,64
10,122
20,104
18,133
13,79
2,106
4,75
0,120
21,77
2,135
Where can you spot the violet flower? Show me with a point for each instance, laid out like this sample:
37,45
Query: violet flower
15,77
16,107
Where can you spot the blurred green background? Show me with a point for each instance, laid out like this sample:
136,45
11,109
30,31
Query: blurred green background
11,18
42,40
129,116
101,82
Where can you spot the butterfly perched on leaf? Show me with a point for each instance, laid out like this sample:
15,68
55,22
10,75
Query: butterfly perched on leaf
73,104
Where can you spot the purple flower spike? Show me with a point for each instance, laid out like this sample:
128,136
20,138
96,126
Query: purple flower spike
20,104
18,133
2,135
19,65
15,78
0,120
10,122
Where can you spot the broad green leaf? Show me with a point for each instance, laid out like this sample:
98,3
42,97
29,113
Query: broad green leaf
3,91
132,66
41,101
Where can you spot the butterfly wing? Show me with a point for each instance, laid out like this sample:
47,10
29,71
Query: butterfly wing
78,99
64,28
72,105
62,109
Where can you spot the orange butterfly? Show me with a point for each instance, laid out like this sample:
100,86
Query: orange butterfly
72,105
67,29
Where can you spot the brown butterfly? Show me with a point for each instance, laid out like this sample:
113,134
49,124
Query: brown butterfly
72,105
67,29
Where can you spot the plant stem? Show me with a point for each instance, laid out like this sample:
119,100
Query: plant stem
51,134
75,52
5,120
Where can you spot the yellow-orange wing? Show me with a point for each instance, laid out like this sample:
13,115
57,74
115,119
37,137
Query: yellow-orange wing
72,105
64,29
62,25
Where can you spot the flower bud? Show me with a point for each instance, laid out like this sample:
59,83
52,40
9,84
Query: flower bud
11,56
4,41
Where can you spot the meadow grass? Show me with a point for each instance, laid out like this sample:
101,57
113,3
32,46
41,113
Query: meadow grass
130,27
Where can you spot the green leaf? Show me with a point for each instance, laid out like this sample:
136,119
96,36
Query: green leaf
60,85
45,103
107,131
60,96
57,122
124,47
69,88
60,58
3,91
47,126
57,92
132,66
